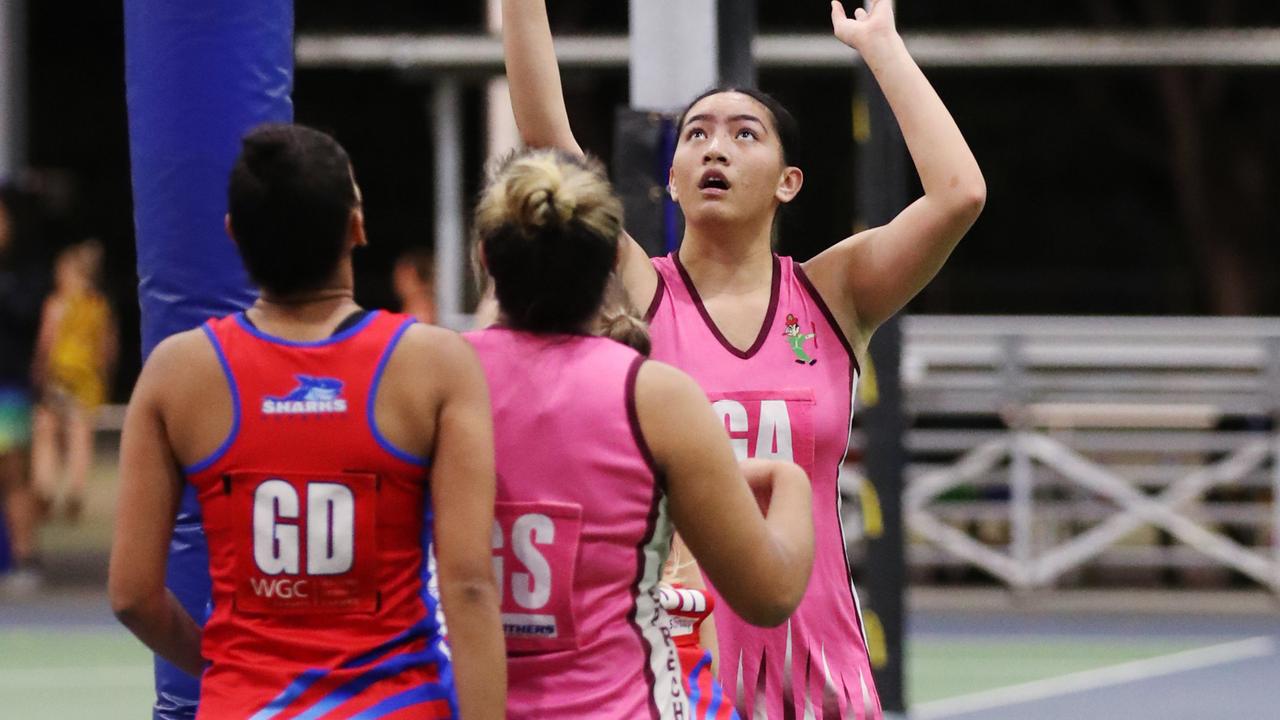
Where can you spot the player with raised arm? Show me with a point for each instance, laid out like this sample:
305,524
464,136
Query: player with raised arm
775,342
601,453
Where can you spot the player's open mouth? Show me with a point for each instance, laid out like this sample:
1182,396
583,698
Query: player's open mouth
713,183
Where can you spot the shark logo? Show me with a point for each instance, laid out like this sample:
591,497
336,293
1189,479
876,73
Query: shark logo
314,395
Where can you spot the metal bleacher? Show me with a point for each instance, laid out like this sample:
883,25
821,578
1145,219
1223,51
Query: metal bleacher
1043,445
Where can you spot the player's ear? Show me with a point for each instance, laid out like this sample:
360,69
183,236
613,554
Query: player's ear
355,229
789,184
226,224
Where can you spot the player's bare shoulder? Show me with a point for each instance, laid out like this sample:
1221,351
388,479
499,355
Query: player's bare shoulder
430,358
658,385
186,358
184,385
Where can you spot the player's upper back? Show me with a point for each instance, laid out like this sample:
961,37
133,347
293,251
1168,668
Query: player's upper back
307,404
581,527
546,383
565,404
315,520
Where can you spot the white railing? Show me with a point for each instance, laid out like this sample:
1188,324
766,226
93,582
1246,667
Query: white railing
1069,434
1223,47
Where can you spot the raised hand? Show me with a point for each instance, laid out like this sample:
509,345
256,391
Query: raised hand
866,25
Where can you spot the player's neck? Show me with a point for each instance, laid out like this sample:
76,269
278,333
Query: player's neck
303,316
721,266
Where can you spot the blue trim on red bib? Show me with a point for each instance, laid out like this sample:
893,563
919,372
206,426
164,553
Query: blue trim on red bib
382,441
253,330
205,464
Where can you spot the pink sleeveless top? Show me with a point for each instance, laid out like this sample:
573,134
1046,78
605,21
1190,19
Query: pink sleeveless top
580,533
789,396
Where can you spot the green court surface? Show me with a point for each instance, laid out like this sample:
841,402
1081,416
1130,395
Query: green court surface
104,673
939,668
66,674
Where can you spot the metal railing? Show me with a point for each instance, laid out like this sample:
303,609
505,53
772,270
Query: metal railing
1040,444
1258,47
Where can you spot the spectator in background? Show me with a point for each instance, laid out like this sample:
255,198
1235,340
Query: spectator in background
75,356
21,292
414,281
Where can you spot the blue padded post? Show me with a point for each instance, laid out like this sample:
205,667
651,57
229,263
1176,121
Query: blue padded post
199,74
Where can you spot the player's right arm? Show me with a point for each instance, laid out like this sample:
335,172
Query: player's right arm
150,489
462,497
537,98
758,561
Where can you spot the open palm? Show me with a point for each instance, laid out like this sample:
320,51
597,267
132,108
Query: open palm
874,21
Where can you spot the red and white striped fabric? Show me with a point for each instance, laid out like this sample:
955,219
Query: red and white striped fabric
687,609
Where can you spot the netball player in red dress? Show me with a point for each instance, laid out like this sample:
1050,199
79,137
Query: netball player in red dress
344,464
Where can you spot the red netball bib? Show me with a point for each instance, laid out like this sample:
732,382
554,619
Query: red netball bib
305,543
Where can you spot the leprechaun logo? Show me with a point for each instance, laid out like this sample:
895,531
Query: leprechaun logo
796,338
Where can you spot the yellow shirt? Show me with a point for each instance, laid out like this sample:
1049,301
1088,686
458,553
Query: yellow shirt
75,358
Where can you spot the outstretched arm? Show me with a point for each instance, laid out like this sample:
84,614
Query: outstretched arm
534,76
537,99
873,274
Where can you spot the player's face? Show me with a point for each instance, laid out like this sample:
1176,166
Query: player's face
728,163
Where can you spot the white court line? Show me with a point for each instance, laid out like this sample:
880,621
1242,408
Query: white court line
70,678
1099,678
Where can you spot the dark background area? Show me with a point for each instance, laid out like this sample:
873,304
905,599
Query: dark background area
1110,191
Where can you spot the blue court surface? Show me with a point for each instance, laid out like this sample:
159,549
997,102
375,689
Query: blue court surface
1052,665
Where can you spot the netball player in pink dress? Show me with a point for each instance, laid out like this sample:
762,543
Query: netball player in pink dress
600,454
775,343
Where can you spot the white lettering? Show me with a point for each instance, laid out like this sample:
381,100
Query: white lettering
734,416
331,527
303,407
532,590
275,543
774,440
282,588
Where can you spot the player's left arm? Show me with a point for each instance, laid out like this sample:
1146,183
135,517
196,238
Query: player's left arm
870,276
462,497
150,489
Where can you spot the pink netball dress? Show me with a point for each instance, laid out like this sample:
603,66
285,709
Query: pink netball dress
581,532
789,396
